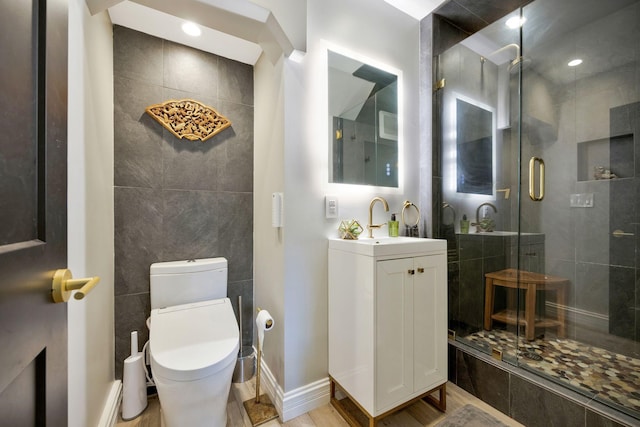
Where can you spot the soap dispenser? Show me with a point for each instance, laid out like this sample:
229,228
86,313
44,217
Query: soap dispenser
464,225
393,226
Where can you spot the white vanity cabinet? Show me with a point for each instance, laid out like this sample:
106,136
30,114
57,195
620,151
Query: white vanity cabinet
387,320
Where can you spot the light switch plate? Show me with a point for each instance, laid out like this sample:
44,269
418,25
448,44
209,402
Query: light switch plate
330,206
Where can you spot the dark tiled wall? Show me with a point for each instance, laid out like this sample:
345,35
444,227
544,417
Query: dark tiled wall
471,256
178,199
624,214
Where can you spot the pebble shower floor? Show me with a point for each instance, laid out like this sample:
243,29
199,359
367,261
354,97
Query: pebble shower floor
611,378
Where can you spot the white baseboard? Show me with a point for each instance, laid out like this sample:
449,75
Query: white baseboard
110,412
295,402
306,398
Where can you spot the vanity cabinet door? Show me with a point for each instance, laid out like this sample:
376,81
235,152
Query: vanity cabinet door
411,324
430,322
394,332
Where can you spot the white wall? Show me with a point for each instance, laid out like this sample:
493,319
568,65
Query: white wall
291,16
269,178
293,265
90,212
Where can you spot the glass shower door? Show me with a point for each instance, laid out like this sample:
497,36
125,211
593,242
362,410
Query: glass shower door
580,175
547,276
478,110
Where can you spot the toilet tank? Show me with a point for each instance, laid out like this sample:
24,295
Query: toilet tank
185,282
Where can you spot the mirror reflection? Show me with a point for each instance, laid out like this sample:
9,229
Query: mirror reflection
363,121
474,148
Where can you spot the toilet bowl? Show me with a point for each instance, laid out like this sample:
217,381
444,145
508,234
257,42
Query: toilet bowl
193,346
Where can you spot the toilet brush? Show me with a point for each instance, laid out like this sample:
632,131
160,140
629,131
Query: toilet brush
134,388
260,409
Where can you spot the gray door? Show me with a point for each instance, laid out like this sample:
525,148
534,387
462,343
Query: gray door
33,218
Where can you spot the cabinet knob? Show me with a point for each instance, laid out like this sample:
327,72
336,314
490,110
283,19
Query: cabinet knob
420,270
412,272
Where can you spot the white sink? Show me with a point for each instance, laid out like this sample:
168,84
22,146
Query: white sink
380,246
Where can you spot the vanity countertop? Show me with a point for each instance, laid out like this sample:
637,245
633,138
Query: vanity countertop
388,246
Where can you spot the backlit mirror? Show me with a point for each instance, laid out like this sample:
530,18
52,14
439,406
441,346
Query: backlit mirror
363,123
474,148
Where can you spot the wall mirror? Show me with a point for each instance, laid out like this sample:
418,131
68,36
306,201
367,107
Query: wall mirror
363,123
475,136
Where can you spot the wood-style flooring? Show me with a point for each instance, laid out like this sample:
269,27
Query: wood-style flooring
419,414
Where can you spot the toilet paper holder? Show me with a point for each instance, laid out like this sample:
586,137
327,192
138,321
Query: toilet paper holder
260,409
268,323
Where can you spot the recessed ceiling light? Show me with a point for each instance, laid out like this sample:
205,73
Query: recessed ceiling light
191,29
574,62
516,22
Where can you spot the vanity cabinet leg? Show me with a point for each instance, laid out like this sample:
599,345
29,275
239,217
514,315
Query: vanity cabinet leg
441,403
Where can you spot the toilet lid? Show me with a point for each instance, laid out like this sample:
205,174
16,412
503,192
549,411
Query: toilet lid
192,341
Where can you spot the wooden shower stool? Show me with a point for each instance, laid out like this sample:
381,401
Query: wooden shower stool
530,283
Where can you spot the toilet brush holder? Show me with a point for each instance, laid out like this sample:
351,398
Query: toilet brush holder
134,384
245,365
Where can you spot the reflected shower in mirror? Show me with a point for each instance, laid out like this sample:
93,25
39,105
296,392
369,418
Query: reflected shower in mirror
363,123
474,148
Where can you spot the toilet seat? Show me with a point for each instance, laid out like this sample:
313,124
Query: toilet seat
193,341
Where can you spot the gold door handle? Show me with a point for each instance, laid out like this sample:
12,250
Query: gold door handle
532,190
620,233
63,284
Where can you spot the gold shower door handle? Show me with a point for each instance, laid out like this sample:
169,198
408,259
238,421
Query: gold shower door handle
532,174
63,284
620,233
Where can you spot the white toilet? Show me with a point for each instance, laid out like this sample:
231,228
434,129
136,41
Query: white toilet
194,341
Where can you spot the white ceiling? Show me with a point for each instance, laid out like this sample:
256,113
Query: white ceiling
416,8
237,29
603,34
150,21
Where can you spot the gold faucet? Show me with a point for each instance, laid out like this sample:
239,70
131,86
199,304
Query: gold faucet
479,226
371,226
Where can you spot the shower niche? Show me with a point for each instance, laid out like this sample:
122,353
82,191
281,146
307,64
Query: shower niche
612,157
606,158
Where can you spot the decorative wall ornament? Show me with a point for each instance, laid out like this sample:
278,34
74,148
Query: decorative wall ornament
188,119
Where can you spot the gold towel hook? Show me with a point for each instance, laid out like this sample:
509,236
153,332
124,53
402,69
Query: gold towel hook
63,284
408,204
446,205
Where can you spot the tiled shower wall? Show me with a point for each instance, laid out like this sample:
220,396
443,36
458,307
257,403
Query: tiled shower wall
178,199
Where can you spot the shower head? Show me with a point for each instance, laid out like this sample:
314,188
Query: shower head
516,64
519,64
